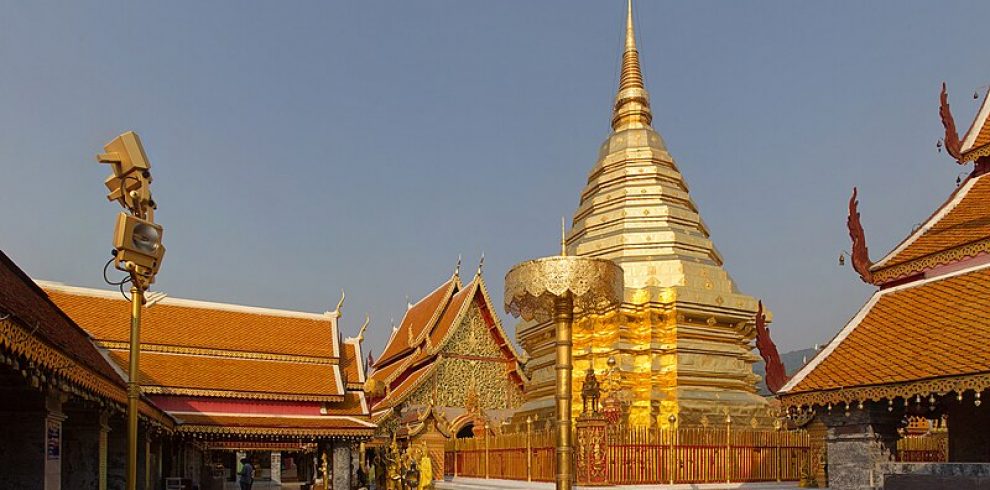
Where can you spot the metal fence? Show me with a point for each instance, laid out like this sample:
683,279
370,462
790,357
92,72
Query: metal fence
644,456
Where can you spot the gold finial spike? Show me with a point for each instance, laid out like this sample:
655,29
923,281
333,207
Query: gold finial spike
457,268
481,263
340,303
632,102
367,320
630,31
563,238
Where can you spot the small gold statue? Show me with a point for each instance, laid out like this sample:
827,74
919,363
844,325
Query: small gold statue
425,469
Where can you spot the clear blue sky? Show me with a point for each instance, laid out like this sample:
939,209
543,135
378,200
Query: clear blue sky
300,148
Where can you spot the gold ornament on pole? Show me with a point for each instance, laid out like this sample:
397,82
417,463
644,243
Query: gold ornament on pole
138,251
554,287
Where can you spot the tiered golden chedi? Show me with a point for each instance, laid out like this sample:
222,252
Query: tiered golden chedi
682,336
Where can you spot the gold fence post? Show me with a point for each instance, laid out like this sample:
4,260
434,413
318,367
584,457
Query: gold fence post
529,448
673,458
728,447
486,450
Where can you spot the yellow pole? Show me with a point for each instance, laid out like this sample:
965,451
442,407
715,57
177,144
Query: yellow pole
673,458
563,318
529,449
728,448
486,450
133,388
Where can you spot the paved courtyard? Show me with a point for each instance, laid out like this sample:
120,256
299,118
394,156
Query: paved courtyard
482,484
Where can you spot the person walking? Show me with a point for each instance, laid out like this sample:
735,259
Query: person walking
247,474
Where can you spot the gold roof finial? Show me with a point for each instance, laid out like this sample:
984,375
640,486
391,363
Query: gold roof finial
563,238
632,102
367,320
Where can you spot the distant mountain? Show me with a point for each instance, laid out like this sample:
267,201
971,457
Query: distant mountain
792,360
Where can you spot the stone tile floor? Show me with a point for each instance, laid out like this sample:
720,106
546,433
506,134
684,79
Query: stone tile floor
481,484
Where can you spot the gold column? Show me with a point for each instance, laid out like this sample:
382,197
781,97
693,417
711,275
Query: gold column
133,388
486,450
554,287
563,318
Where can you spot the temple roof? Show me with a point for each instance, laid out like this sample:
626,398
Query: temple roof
960,224
230,377
31,325
200,324
917,336
214,349
260,425
975,141
418,319
427,327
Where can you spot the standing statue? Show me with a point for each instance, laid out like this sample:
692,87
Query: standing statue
425,470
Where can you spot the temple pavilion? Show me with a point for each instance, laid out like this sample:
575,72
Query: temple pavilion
682,337
448,370
919,347
219,382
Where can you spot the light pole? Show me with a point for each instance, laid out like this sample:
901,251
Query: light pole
552,287
138,251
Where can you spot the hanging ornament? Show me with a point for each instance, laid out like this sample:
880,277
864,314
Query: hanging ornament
890,405
959,397
860,406
977,402
829,407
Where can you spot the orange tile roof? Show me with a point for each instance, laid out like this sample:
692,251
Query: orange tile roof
408,384
274,425
351,405
417,319
212,325
386,372
922,330
349,363
963,219
450,314
233,377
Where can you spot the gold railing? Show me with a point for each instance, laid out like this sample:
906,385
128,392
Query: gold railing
706,455
515,456
928,448
644,456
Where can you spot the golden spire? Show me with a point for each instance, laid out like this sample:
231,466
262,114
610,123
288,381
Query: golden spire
632,102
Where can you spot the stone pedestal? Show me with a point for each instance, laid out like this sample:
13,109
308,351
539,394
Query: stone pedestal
341,467
858,443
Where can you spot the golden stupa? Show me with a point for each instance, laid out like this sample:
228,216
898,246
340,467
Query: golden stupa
682,337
